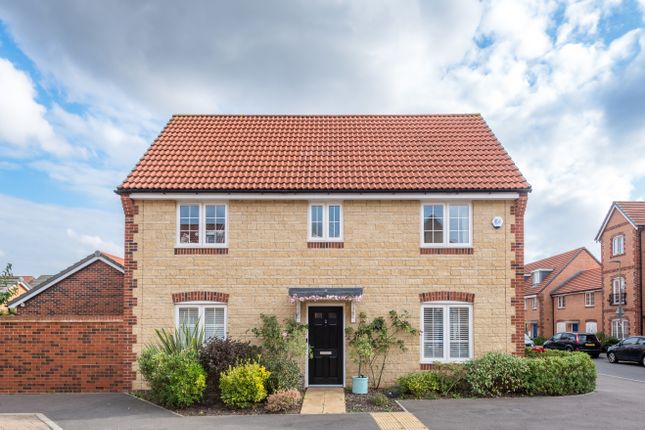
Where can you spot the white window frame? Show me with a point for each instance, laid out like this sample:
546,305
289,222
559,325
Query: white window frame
325,206
618,283
615,242
595,330
624,327
201,307
562,302
202,225
590,299
446,227
446,305
535,303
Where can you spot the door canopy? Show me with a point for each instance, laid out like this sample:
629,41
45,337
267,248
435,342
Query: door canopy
325,294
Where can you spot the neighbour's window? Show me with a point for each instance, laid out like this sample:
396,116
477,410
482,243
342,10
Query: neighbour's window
201,225
447,334
618,245
325,221
619,328
560,327
210,318
446,224
590,299
526,303
562,302
618,291
591,327
535,303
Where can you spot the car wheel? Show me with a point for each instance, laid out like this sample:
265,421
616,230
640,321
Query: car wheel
643,360
568,348
611,357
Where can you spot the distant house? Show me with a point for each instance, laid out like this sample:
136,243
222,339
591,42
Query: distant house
564,273
621,237
577,302
21,284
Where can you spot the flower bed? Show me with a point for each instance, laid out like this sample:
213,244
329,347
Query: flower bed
373,401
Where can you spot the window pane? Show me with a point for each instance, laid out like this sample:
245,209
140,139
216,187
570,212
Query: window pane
459,332
433,332
215,224
334,221
214,323
433,222
317,221
189,224
459,223
188,317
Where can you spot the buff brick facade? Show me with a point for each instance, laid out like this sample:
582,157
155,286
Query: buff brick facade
628,265
268,253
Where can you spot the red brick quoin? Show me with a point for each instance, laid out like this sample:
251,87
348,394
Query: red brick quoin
517,228
199,296
130,209
447,296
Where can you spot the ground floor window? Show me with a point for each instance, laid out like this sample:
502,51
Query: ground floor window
620,329
210,317
560,327
447,331
531,329
591,327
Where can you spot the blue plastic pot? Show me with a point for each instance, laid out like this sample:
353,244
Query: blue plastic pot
359,385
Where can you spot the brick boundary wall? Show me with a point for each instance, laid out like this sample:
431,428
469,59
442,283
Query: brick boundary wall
518,209
130,209
61,355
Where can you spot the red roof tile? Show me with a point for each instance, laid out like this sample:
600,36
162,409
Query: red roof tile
555,263
634,210
585,280
118,260
325,153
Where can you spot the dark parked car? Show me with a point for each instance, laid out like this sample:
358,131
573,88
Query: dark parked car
585,342
630,349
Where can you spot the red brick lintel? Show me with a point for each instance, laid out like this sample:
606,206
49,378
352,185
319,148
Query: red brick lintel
199,296
447,296
200,251
325,245
447,251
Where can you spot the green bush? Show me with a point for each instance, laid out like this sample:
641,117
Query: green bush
243,385
379,399
606,341
561,374
420,384
539,340
546,353
285,373
452,379
176,379
497,374
218,355
283,401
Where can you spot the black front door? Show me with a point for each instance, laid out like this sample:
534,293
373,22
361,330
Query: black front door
326,342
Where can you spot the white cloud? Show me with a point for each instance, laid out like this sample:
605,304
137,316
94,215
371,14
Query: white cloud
36,237
22,121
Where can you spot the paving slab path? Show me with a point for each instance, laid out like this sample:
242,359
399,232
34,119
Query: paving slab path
323,401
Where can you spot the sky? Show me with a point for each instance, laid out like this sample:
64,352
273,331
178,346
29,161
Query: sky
85,87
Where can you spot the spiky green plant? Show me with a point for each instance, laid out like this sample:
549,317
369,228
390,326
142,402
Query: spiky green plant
180,339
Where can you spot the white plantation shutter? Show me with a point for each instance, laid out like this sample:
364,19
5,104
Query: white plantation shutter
591,327
459,332
560,327
214,325
433,332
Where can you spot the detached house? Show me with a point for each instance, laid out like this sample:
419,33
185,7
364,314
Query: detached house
321,217
621,236
562,293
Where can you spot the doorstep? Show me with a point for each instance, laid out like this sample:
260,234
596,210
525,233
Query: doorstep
324,401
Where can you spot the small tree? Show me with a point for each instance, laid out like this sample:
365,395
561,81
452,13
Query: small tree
7,285
360,344
382,337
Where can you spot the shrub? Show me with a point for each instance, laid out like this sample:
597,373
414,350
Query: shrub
285,373
497,374
530,353
452,379
561,374
175,379
539,340
379,399
180,339
420,384
283,400
606,341
218,355
243,385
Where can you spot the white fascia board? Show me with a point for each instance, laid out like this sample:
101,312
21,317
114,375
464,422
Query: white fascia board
34,292
613,208
326,196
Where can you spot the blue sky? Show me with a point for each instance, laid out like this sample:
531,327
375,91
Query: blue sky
85,88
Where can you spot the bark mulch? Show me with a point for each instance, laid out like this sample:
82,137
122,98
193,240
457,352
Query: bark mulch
373,401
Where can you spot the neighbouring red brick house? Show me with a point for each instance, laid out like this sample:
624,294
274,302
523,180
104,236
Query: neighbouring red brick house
621,238
577,302
542,278
68,332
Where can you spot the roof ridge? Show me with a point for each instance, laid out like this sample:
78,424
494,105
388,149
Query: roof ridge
557,255
322,115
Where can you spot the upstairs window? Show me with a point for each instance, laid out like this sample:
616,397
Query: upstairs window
535,303
618,291
446,224
618,245
203,224
325,222
590,299
562,302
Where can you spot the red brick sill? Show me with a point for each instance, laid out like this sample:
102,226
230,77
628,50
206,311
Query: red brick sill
200,251
325,244
447,251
